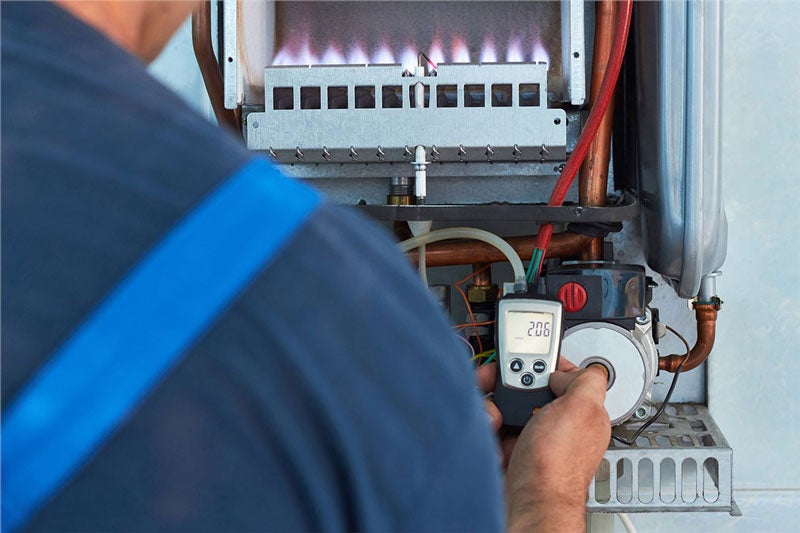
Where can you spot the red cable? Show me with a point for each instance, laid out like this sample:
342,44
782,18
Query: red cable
596,115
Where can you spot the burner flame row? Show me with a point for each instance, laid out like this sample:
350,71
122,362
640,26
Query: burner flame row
458,52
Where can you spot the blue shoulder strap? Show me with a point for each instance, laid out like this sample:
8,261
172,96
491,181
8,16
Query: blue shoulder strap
101,374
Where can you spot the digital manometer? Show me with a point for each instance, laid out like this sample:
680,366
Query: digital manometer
528,341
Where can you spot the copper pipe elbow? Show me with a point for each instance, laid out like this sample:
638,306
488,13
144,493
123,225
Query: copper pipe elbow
706,315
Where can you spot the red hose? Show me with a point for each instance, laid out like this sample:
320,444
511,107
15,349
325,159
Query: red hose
604,96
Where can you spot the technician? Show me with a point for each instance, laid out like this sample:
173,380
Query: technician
191,342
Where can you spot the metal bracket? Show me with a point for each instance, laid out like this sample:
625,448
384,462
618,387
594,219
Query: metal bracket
682,463
505,212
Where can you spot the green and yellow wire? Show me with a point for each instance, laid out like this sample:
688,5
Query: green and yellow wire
488,355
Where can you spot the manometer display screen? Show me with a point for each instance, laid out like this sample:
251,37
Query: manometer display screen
528,332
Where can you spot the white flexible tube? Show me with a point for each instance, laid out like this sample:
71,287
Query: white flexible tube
469,346
421,266
626,521
418,228
520,285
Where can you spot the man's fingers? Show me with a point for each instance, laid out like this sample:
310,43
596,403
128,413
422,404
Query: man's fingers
593,380
559,381
487,377
565,365
495,417
602,369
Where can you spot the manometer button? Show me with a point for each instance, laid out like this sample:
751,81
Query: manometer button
539,366
573,296
516,365
526,379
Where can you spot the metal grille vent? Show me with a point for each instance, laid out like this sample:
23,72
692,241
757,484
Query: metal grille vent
364,114
682,463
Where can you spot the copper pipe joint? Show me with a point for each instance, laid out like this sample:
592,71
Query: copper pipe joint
482,278
706,315
565,244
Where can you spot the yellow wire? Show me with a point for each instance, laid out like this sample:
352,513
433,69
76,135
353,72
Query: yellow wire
483,355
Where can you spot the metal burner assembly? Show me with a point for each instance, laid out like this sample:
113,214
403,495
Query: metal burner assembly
377,119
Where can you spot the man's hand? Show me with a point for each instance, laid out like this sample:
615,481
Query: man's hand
557,454
555,457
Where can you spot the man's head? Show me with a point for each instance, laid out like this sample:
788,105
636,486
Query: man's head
142,27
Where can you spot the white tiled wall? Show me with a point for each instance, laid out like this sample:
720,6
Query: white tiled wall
754,378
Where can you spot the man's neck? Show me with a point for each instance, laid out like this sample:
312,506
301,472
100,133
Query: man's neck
142,28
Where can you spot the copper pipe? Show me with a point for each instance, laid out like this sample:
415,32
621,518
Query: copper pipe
594,251
209,67
706,315
482,278
565,244
593,181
